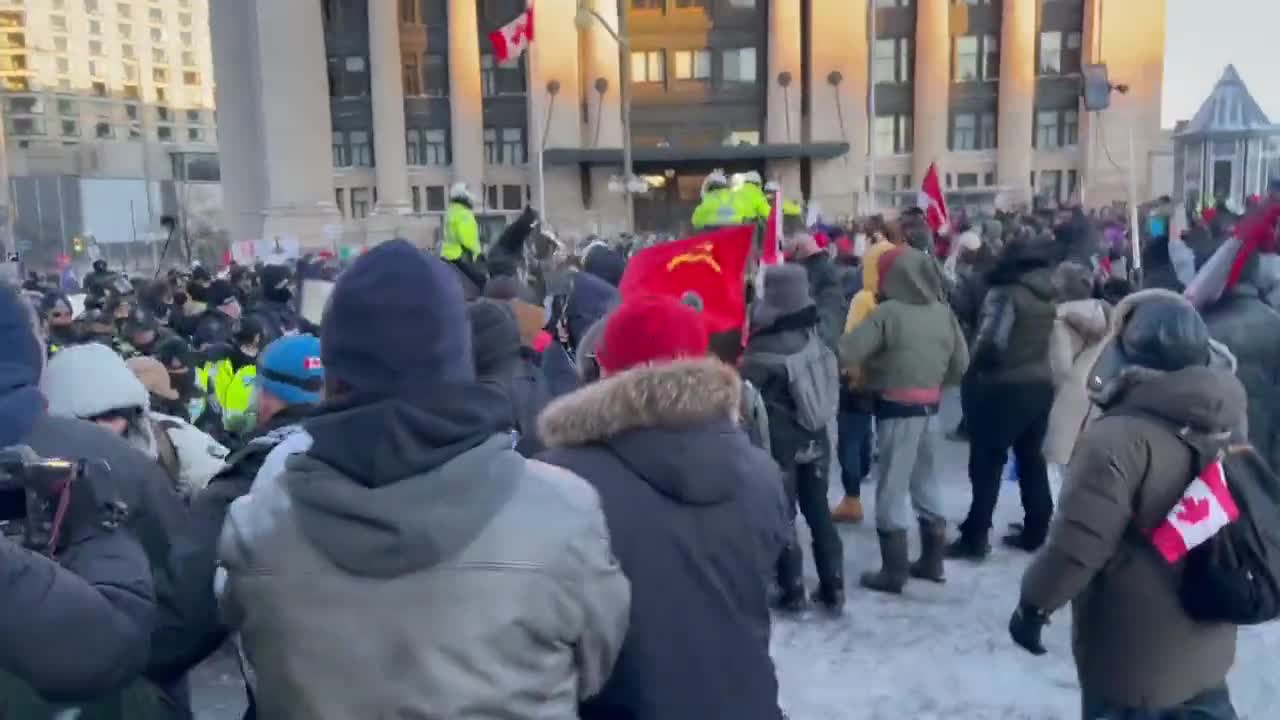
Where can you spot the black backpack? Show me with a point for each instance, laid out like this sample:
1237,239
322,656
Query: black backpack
1234,576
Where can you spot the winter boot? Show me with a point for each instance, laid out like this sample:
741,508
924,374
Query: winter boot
969,547
933,546
1024,541
848,511
893,559
830,596
791,600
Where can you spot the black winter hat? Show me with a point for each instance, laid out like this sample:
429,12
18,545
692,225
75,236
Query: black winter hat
1165,334
495,336
219,292
139,320
396,322
605,263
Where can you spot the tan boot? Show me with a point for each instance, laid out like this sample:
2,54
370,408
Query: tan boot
848,511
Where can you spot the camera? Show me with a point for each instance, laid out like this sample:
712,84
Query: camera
36,494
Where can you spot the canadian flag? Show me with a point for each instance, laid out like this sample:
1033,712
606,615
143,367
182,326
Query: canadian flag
1205,508
511,40
930,200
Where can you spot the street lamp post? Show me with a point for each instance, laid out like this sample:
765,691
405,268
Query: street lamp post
585,16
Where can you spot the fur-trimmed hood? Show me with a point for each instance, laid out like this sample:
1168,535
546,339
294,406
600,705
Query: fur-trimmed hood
670,395
674,425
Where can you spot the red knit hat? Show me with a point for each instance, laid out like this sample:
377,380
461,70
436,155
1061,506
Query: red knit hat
650,329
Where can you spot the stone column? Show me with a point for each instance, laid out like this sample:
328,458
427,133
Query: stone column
838,44
391,168
601,58
294,107
1017,98
783,116
932,84
466,108
554,59
235,61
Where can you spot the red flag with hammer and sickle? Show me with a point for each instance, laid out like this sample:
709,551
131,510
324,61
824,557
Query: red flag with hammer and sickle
705,270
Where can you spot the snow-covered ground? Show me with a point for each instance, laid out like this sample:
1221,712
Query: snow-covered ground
942,652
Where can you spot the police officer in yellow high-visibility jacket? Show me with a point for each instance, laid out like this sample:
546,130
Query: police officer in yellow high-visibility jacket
751,202
461,232
717,208
234,375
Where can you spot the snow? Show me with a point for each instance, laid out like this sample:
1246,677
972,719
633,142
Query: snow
942,652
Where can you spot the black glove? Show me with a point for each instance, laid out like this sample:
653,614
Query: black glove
1025,627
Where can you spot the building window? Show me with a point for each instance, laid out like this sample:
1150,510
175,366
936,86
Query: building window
966,180
91,7
1057,128
195,134
1071,55
193,116
509,150
58,22
892,62
162,95
155,15
648,66
965,62
160,75
964,131
13,41
987,134
1070,128
67,106
435,198
184,19
191,77
99,88
60,43
646,4
690,4
95,26
435,75
416,194
361,148
989,179
739,65
132,92
339,200
70,128
130,72
188,58
435,147
26,126
124,10
63,65
410,75
127,52
501,80
103,131
893,3
131,111
412,144
693,64
1059,53
157,35
341,155
512,197
359,203
348,76
164,114
1050,185
159,56
1072,179
892,134
95,48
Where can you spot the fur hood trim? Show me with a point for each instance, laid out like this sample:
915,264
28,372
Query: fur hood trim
667,395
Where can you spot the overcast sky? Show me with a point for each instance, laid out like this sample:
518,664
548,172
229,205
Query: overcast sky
1203,37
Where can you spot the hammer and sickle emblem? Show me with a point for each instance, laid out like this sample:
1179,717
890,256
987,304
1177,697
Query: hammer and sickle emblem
700,254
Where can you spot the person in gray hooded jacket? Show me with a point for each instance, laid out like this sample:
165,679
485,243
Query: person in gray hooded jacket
410,562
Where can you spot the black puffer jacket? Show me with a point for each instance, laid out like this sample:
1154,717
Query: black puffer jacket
1251,330
828,294
696,519
786,336
1012,340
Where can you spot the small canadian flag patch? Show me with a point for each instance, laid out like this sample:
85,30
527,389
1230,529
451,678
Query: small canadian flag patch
312,363
1206,506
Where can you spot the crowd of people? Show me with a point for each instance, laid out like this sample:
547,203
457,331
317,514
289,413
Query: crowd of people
515,486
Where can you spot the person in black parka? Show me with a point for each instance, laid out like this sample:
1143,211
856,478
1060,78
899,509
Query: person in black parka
696,517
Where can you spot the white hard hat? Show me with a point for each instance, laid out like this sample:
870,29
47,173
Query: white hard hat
459,191
751,177
772,186
715,177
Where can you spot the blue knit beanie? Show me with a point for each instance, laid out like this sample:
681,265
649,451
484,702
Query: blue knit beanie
396,323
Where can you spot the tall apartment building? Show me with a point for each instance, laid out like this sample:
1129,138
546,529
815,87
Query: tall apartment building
106,104
360,113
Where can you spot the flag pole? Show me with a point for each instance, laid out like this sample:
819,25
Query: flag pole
545,124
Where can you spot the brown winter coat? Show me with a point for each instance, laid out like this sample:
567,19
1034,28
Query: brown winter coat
1134,645
1074,347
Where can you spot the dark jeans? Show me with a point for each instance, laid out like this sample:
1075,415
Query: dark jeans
855,438
1003,416
1209,705
806,486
